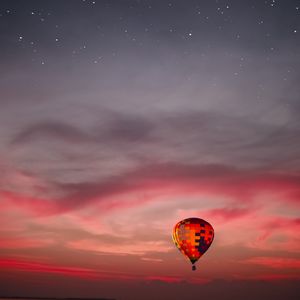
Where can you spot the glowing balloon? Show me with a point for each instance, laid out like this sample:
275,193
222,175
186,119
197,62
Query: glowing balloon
193,237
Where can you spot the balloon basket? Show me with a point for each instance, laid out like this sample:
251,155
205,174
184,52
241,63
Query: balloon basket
194,268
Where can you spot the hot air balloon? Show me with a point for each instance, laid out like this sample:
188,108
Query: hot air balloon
193,237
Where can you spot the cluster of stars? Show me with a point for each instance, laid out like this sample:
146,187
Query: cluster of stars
134,35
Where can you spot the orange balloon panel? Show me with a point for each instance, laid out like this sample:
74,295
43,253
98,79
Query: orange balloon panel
193,237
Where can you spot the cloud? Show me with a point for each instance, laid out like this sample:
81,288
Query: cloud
130,247
85,273
241,185
57,130
33,266
178,179
273,226
19,243
203,137
275,262
229,214
113,128
270,277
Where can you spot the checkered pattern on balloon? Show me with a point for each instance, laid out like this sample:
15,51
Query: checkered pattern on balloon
193,237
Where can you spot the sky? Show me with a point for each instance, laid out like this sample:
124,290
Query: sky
120,118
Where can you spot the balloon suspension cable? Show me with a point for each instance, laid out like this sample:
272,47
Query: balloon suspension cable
194,268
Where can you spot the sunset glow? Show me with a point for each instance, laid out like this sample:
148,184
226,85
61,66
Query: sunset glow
118,119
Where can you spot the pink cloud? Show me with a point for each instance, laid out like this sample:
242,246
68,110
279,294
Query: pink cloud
277,223
228,214
158,260
168,279
33,205
22,243
83,273
275,262
269,277
30,266
173,179
88,273
271,226
136,212
131,247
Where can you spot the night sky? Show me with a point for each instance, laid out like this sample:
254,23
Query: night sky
120,118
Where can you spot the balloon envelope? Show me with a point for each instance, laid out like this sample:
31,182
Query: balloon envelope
193,237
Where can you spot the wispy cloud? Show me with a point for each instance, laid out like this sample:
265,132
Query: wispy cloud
275,262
